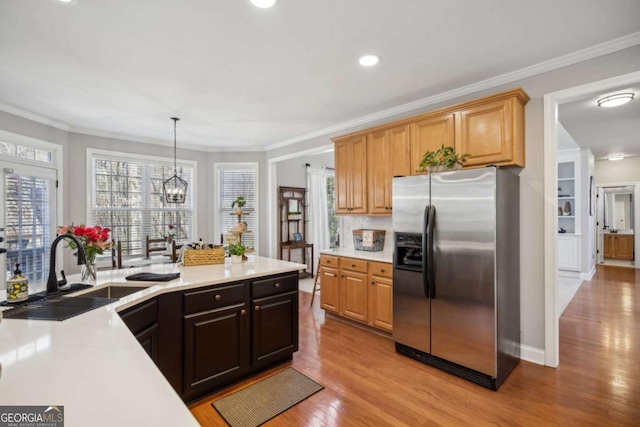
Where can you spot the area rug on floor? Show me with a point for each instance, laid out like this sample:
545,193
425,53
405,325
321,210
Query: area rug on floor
265,399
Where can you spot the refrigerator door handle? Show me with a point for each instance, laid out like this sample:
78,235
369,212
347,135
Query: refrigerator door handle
430,272
427,252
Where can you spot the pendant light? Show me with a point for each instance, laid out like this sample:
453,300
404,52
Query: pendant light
175,188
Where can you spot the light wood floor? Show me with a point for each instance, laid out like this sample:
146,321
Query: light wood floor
368,384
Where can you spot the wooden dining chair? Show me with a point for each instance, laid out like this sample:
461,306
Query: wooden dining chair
116,255
153,246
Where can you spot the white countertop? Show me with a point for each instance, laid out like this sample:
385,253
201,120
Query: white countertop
625,232
92,364
380,256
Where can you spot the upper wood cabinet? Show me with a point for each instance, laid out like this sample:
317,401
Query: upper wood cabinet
428,135
492,133
388,155
351,175
490,129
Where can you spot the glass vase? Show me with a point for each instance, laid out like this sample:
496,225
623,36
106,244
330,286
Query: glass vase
89,272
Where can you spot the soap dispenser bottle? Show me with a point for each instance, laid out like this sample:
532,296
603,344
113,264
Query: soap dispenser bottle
17,287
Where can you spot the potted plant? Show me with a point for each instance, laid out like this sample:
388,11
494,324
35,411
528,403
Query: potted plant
236,250
444,158
239,203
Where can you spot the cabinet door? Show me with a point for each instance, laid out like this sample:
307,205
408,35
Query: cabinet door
381,303
486,133
329,295
623,247
358,188
274,328
378,150
142,321
354,295
216,348
429,135
351,175
148,339
400,150
608,246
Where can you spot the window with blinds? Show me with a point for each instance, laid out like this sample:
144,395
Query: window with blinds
127,197
29,205
233,180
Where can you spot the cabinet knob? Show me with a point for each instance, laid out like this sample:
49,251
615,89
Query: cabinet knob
218,297
277,285
257,308
373,283
353,266
382,270
243,312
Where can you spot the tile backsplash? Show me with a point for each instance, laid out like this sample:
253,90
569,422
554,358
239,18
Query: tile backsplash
350,223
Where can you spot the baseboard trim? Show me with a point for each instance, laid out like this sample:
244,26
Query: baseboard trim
588,275
532,354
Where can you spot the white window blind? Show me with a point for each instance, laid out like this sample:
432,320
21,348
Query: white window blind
237,180
29,206
127,197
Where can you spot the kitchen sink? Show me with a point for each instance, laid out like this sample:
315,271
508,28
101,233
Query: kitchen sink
110,291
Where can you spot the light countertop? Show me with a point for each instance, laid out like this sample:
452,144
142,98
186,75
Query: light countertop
92,364
624,232
380,256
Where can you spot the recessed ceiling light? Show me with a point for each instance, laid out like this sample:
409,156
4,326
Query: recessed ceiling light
263,4
615,157
65,1
369,60
615,100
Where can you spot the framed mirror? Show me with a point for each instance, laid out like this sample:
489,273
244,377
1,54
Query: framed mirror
618,208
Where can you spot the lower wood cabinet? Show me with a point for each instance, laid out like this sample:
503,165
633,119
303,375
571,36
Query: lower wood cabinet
329,283
207,338
216,348
142,321
618,246
274,321
358,290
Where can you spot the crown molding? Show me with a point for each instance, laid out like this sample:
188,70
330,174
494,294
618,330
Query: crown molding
601,49
34,117
543,67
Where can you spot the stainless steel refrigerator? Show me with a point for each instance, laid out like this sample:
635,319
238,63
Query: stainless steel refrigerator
456,272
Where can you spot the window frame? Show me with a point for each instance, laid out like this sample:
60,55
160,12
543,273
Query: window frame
124,156
216,196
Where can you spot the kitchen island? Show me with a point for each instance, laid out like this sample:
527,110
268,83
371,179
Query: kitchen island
95,367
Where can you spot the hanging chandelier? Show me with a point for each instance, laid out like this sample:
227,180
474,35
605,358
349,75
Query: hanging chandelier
175,188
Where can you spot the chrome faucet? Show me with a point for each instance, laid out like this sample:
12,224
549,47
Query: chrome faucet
52,282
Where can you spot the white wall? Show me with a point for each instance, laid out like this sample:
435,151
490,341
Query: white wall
625,170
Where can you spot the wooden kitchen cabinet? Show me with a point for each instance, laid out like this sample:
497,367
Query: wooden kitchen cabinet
216,337
429,134
492,132
206,338
329,283
618,246
274,321
388,154
351,175
142,321
363,292
353,289
381,295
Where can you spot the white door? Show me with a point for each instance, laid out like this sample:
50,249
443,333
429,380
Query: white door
28,213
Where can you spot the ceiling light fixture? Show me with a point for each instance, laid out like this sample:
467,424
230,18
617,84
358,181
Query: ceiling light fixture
369,60
263,4
615,157
65,1
615,100
175,188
